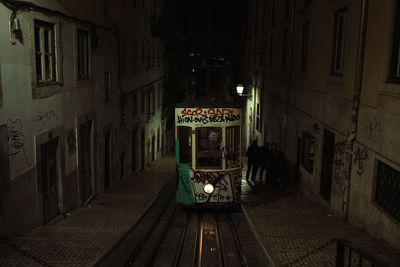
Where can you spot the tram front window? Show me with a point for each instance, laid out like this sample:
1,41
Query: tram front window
185,144
208,151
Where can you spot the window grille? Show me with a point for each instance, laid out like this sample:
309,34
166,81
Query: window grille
387,194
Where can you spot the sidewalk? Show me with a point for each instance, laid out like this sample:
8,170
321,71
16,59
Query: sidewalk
296,232
85,236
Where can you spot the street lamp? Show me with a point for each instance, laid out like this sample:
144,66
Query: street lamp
239,90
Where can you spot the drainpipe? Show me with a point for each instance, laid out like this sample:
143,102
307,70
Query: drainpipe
289,85
356,100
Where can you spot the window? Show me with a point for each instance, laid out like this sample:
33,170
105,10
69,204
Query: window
232,148
148,103
395,64
284,48
258,119
45,53
185,144
83,54
273,10
339,42
287,9
208,149
153,99
107,85
256,17
143,53
271,49
134,105
122,161
304,46
387,194
134,3
106,8
307,152
142,104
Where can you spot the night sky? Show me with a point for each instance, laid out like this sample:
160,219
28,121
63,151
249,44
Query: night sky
211,26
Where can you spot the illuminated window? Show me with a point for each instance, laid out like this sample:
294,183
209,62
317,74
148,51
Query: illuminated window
45,52
208,147
339,42
232,147
82,54
185,144
395,64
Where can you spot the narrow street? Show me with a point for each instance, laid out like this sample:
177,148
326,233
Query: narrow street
140,225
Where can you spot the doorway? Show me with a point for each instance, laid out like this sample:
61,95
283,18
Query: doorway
327,165
49,179
85,161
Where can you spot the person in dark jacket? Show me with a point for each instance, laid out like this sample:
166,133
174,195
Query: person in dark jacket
265,156
251,157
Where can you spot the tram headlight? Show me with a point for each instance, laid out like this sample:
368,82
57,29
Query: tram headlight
209,188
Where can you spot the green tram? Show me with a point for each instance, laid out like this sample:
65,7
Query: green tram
208,156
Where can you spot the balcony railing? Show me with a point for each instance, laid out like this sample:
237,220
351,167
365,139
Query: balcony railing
349,254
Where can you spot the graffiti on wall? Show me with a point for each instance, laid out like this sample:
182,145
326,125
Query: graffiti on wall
359,158
374,129
207,115
340,166
16,139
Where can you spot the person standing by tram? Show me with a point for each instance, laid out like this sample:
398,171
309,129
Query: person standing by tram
251,155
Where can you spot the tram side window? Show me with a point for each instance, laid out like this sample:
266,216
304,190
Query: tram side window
208,152
232,149
185,144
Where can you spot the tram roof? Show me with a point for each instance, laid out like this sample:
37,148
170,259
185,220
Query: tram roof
205,104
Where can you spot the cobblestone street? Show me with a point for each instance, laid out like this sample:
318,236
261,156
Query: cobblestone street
296,232
293,231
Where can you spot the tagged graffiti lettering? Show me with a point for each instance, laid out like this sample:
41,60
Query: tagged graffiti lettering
359,157
16,139
210,112
207,119
374,128
339,166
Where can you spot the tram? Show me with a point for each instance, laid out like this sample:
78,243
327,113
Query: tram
208,156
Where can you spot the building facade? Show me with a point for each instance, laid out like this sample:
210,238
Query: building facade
324,83
82,84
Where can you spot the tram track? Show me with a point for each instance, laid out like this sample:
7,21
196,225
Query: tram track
170,236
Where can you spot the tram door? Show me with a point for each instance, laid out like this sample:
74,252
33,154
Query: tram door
49,179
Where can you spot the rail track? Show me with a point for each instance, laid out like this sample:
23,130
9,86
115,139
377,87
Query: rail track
170,236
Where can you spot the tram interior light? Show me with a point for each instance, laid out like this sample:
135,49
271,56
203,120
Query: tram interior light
209,188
